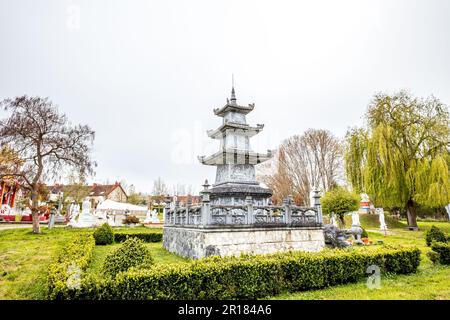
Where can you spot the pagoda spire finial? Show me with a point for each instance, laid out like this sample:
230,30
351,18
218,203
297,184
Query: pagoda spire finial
233,94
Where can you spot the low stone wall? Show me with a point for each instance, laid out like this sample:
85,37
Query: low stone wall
198,243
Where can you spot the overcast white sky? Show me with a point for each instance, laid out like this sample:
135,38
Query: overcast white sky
145,75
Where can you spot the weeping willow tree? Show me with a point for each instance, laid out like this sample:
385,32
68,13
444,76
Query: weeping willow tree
402,159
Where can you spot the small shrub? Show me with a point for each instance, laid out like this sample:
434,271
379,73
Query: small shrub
131,220
364,233
434,234
443,250
340,201
131,253
104,235
146,237
433,256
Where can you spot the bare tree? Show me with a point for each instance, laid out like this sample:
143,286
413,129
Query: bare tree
182,189
304,161
77,188
45,142
276,177
159,188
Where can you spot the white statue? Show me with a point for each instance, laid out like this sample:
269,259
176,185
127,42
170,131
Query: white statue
110,219
151,217
355,219
74,213
86,208
333,220
155,216
86,219
148,217
383,225
356,229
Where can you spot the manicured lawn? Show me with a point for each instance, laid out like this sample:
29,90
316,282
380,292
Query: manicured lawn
24,259
430,282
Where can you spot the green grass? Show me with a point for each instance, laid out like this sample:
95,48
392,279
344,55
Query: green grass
430,282
24,259
371,221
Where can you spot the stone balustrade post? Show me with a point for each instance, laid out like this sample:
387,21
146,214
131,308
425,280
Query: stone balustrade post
317,205
287,202
250,212
167,219
206,206
188,207
176,204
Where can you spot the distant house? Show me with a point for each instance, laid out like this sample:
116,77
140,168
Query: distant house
100,192
195,200
96,192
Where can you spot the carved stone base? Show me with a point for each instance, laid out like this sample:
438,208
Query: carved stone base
198,243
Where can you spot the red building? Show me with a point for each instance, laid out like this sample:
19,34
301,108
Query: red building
8,190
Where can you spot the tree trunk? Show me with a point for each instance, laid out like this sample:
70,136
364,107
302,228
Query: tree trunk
411,214
35,212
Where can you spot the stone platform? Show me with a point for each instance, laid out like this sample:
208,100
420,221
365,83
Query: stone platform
231,241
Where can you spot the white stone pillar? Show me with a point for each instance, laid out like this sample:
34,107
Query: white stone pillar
287,210
250,214
317,205
206,206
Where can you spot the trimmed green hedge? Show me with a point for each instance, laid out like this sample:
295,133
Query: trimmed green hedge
246,277
71,261
131,253
146,237
104,235
435,234
443,251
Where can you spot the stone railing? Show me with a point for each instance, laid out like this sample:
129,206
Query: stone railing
214,215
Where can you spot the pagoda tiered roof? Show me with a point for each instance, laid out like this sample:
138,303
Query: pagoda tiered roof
248,130
233,107
235,156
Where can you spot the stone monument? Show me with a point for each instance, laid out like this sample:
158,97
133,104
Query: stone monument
236,215
334,220
381,218
86,219
356,229
148,217
74,212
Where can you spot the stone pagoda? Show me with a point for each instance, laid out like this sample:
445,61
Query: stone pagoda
236,215
235,161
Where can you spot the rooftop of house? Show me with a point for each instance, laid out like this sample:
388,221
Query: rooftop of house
95,190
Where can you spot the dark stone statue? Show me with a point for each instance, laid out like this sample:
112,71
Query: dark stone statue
335,237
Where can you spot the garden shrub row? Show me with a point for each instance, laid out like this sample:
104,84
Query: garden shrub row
435,234
65,273
146,237
245,277
443,252
104,235
131,253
